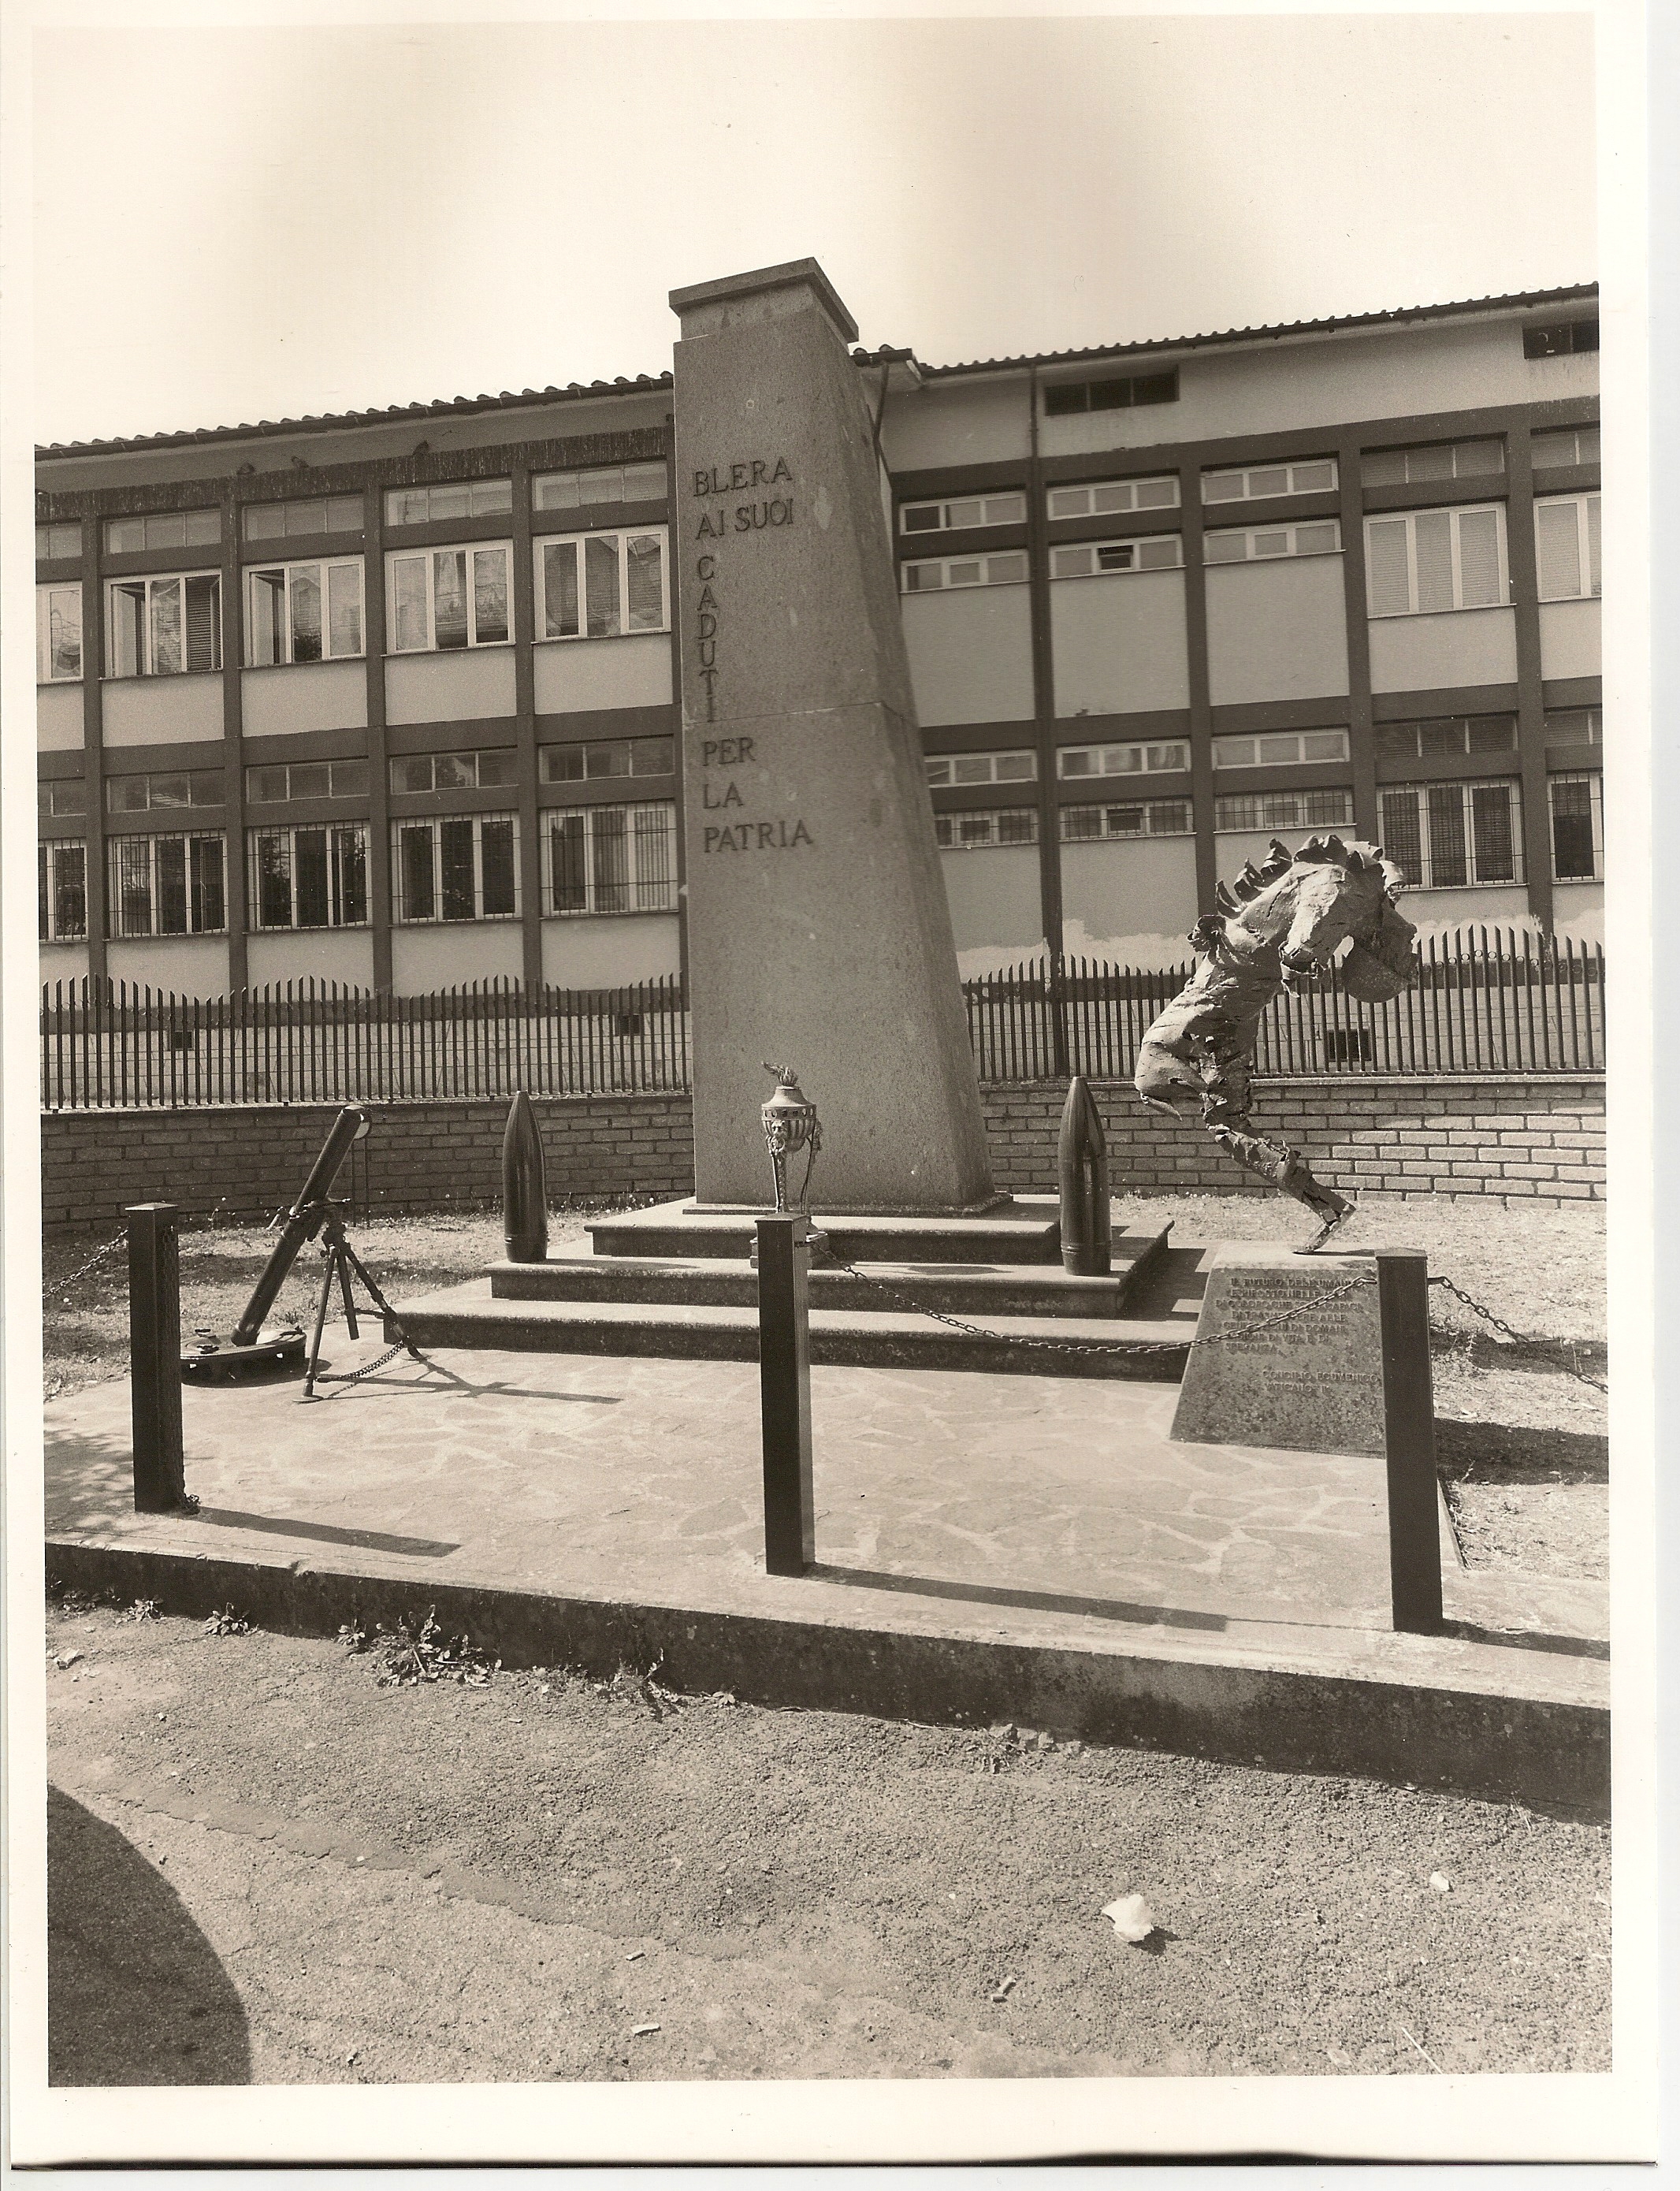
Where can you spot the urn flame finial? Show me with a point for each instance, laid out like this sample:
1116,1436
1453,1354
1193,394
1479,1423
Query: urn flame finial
790,1123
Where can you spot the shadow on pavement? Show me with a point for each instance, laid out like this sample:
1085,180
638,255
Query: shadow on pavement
135,1993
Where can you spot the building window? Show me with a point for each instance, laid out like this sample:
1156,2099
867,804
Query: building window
1279,748
600,757
462,867
1558,446
1436,460
1256,482
168,885
1577,804
978,833
1114,497
1422,561
965,512
612,859
171,528
278,784
1575,726
178,787
430,505
162,627
309,878
1114,392
1567,545
61,889
1446,737
444,599
303,613
1074,762
943,573
947,772
603,483
280,520
1284,809
1095,558
1259,543
1562,339
60,795
1454,836
1150,817
601,585
58,543
58,634
481,770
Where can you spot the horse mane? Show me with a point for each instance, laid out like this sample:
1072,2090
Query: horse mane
1317,851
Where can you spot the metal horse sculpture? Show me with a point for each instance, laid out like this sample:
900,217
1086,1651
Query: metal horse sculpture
1279,926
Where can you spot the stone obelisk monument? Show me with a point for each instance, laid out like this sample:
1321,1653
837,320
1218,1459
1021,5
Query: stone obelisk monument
818,933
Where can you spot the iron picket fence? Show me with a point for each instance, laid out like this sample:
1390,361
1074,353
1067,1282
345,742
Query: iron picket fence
1486,1001
109,1043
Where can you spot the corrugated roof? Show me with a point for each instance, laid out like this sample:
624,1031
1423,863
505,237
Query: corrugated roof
644,382
1156,344
446,407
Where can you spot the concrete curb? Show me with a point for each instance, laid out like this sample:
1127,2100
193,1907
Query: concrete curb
1547,1754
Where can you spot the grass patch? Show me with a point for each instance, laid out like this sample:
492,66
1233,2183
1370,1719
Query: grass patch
85,1317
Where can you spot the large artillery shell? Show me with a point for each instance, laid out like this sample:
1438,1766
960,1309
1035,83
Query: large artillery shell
524,1198
1082,1181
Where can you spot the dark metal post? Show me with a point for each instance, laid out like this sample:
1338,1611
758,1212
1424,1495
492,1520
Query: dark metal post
155,1358
1409,1418
785,1390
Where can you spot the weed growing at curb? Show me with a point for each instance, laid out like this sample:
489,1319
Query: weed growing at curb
410,1653
226,1622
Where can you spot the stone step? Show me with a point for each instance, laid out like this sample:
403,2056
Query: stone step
1026,1230
470,1316
968,1289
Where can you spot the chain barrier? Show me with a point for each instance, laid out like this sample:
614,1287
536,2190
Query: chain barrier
81,1270
1567,1363
1106,1346
1213,1339
367,1368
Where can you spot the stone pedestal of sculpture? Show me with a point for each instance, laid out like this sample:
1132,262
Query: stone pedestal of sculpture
817,922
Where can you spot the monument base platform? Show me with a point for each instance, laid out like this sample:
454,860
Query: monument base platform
676,1281
988,1548
994,1206
1011,1229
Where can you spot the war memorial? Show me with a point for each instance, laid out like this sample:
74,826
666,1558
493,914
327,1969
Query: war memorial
994,1461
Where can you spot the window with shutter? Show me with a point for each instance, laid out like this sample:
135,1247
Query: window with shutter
1400,838
1559,532
1433,533
1432,561
1478,559
1388,562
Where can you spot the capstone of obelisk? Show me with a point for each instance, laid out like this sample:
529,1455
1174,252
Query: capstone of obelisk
817,922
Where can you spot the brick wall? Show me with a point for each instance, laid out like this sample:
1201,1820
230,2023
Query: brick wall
1517,1139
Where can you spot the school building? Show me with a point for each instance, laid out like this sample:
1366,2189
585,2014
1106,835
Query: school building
390,698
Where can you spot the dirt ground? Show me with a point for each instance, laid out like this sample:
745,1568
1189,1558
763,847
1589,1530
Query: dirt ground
1523,1446
265,1866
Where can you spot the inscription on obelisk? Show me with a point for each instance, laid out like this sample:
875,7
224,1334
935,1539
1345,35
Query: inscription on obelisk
818,933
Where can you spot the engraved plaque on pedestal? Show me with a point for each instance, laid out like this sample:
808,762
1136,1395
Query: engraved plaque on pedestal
1313,1383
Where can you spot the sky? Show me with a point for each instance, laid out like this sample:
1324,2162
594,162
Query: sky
242,223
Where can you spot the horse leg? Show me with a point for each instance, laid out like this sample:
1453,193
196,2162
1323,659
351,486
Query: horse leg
1225,1113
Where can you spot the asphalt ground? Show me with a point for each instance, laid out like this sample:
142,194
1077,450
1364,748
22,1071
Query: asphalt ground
267,1867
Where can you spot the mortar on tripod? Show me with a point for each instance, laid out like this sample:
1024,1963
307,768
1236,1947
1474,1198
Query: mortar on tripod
256,1344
